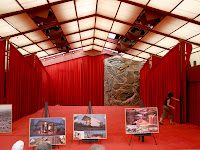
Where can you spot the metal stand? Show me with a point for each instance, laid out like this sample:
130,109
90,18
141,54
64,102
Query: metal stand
47,114
90,140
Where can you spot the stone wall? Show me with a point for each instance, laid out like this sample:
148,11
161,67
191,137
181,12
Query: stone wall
121,81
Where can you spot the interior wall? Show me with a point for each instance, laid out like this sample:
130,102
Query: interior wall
77,81
121,81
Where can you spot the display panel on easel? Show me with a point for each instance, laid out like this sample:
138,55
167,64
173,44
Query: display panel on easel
89,126
50,130
141,120
5,118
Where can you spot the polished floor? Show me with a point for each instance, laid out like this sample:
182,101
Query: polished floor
171,137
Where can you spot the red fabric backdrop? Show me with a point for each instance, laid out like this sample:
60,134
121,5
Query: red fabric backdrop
193,95
78,81
162,77
21,85
2,70
93,80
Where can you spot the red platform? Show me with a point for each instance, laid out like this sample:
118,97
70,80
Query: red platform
171,137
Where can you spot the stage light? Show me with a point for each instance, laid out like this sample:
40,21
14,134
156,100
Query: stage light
47,31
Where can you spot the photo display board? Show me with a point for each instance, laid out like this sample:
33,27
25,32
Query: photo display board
141,120
5,118
89,126
50,130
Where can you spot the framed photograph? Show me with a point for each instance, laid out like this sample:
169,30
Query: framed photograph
5,118
89,126
50,130
141,120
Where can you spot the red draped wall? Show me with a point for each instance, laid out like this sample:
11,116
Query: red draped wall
66,80
2,70
162,77
21,85
78,81
93,80
193,95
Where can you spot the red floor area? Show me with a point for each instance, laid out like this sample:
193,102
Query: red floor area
171,137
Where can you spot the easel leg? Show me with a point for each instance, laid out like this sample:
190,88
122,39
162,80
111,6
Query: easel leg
142,138
131,139
154,139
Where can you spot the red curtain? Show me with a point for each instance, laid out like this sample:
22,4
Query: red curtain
66,82
2,70
193,95
21,85
93,80
164,76
78,81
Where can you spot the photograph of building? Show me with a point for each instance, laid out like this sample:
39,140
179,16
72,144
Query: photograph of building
142,120
89,126
51,130
5,118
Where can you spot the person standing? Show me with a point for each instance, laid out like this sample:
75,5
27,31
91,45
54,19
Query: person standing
167,108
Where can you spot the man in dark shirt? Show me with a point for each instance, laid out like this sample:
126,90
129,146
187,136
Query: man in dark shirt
167,107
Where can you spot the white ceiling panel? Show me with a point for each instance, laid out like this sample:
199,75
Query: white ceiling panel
23,52
46,45
167,42
101,34
99,42
75,45
13,6
197,19
52,51
152,38
187,31
32,48
169,24
41,54
144,2
37,36
133,52
104,24
64,11
137,59
165,5
87,34
87,23
188,8
141,46
87,48
32,3
73,37
144,55
22,22
196,49
127,56
128,13
107,7
6,29
51,1
98,48
120,28
85,7
163,53
70,27
110,45
154,50
20,40
195,39
87,42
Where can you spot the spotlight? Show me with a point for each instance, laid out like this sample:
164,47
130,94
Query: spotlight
47,31
62,38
